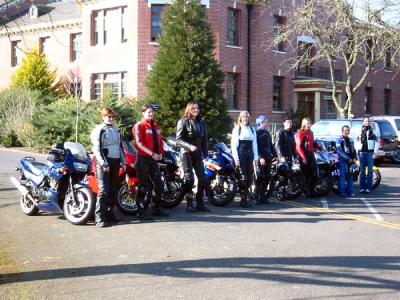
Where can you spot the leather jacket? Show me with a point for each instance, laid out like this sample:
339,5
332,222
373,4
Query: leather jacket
265,146
192,133
285,144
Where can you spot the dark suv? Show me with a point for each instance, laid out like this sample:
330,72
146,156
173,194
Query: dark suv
331,129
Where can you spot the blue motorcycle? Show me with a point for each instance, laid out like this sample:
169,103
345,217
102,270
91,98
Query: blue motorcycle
219,170
58,185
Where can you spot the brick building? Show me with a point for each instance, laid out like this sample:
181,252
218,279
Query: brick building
112,43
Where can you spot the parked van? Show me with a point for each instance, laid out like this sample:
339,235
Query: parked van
393,120
331,129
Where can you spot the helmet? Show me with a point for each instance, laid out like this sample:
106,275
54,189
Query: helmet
354,170
261,119
283,169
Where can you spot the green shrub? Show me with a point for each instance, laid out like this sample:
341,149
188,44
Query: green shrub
10,139
16,109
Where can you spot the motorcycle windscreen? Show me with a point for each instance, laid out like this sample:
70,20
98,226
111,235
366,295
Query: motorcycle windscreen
77,150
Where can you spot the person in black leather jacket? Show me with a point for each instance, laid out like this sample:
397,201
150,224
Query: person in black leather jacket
285,143
266,152
191,136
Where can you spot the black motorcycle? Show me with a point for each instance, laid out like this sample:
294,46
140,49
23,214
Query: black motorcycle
324,168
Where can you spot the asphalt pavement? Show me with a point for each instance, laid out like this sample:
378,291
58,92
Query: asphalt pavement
319,248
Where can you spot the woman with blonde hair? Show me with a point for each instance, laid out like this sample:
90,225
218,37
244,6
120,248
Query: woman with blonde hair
305,150
245,153
191,136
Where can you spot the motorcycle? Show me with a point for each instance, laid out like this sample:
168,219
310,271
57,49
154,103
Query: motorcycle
324,167
219,170
57,186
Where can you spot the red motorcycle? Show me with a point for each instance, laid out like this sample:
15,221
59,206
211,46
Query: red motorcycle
127,193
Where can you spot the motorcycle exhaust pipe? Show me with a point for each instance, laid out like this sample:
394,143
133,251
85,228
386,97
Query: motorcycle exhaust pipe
23,190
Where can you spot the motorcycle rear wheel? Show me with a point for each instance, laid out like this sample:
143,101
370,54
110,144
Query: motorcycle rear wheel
223,193
126,201
323,186
27,206
82,210
294,188
376,179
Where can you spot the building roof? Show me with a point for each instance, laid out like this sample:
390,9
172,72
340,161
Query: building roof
48,13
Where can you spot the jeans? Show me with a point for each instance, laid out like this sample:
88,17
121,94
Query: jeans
366,161
345,179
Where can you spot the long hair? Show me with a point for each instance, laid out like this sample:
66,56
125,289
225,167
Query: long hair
240,117
188,110
303,123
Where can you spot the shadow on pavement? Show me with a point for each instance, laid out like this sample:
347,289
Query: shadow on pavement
343,271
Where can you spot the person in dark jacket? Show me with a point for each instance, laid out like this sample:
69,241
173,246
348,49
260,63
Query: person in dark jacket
245,154
347,156
285,146
150,149
107,150
305,150
191,136
369,148
266,151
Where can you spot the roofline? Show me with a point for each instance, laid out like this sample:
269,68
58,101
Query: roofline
16,31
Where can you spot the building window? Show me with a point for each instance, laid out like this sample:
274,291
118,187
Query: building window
386,101
305,55
330,108
123,25
75,46
113,83
75,89
368,99
156,11
233,27
277,93
278,29
232,81
388,59
16,53
108,26
368,50
43,44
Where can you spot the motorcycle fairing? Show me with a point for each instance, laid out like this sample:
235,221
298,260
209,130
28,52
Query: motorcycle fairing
34,171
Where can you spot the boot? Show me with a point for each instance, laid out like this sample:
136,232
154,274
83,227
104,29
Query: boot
190,205
243,202
145,214
201,207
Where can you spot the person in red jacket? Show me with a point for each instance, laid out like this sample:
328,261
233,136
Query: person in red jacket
149,145
305,150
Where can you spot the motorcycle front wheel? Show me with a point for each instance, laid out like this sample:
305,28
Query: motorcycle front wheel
293,188
223,192
323,186
80,211
376,179
172,197
126,201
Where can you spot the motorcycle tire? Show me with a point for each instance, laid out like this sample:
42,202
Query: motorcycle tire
81,212
174,196
223,193
294,188
126,201
376,179
27,206
323,186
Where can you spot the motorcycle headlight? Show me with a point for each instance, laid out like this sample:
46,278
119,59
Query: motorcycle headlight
80,167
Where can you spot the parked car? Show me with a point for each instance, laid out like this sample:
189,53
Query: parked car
393,120
330,129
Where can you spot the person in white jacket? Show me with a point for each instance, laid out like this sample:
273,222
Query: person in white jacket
245,154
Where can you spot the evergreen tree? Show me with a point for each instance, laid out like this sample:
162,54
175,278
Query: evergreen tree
35,74
186,69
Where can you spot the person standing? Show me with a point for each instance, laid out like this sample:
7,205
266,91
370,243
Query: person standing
285,146
369,148
305,149
245,154
347,156
149,145
266,152
107,150
192,137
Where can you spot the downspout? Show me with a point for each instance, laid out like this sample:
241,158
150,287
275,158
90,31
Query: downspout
249,9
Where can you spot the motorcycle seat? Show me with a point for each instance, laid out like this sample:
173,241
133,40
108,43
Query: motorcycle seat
35,167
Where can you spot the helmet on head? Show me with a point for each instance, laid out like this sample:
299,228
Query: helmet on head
283,169
261,119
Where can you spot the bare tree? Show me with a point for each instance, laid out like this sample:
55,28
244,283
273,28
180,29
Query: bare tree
351,34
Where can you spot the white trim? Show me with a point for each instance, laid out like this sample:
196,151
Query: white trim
234,110
150,2
279,112
42,26
279,52
234,47
387,71
306,38
154,44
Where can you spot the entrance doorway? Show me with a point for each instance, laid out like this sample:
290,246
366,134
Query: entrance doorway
306,105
